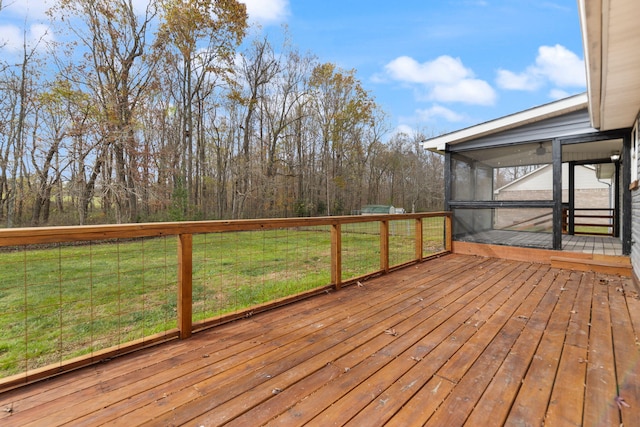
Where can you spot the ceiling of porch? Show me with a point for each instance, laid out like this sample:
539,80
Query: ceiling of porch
540,153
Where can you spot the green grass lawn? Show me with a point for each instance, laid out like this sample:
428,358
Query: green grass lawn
61,302
593,229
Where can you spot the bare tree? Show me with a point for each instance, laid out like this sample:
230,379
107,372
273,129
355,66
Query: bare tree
115,38
258,68
21,83
341,107
204,34
53,125
283,114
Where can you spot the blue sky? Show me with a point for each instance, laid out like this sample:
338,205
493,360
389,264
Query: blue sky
436,66
443,65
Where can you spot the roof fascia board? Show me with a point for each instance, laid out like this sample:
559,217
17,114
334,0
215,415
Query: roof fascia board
591,20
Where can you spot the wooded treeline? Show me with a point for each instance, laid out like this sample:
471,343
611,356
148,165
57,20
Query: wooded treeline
174,113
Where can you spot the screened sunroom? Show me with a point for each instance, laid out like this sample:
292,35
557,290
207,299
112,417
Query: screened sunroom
542,178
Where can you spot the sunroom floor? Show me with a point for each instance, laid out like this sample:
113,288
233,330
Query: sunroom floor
601,245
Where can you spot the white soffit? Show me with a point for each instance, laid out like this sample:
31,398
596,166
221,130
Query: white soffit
611,36
546,111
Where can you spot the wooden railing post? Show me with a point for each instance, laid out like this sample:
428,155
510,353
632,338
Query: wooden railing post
419,241
336,255
384,245
185,284
448,232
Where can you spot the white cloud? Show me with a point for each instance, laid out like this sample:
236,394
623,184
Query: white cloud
434,114
555,65
445,79
443,69
561,66
518,81
13,38
558,94
404,129
267,11
28,9
437,111
469,91
140,6
40,32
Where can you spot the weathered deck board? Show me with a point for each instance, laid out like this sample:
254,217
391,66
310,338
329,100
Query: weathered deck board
565,407
627,358
353,403
473,380
497,398
533,396
459,340
600,406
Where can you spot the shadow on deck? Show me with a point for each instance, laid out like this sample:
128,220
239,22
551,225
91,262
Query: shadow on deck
453,341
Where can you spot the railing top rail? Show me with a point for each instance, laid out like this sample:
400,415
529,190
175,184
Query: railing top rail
39,235
593,209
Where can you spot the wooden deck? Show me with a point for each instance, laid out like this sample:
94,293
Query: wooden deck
602,245
459,340
597,245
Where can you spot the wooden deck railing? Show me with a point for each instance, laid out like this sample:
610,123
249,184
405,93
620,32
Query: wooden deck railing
406,227
590,221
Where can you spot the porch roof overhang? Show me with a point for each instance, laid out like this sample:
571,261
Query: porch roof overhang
611,36
530,116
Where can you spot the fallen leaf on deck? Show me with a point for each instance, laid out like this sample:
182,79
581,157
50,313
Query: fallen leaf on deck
621,403
391,331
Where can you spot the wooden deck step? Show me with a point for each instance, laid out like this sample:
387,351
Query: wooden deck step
607,264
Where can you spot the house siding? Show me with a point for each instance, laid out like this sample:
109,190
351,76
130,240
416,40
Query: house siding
589,193
572,124
635,200
635,228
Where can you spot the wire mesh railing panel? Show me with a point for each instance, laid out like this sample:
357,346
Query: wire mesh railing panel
83,299
360,249
433,235
402,242
64,301
156,290
237,270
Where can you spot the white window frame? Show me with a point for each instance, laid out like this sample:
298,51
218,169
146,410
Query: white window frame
635,141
